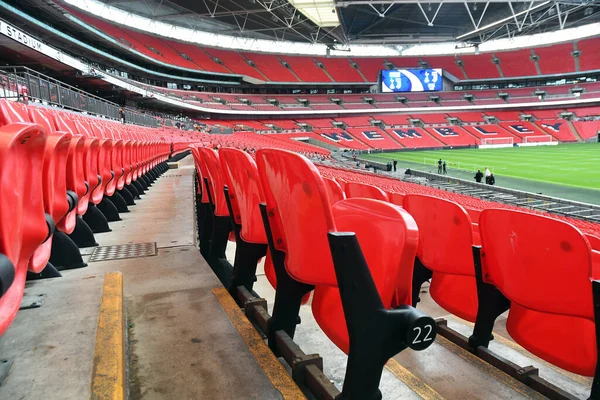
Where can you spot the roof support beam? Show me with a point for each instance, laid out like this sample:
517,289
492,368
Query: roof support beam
382,12
345,3
430,22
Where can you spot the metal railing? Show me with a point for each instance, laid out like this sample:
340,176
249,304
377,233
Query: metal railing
17,82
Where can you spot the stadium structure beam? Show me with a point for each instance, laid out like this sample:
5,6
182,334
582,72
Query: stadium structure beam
346,3
430,22
502,21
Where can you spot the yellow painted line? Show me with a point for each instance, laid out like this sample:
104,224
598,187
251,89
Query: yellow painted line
272,368
108,369
412,381
490,369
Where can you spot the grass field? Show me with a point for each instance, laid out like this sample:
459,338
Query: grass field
575,165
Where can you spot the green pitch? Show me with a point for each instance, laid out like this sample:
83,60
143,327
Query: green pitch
573,164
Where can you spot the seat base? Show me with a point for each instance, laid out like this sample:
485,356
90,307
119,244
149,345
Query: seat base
65,253
127,196
109,210
119,202
96,220
49,272
82,235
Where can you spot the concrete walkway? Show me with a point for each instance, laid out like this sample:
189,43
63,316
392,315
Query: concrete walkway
182,345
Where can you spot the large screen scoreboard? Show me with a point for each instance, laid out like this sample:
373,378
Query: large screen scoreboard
411,80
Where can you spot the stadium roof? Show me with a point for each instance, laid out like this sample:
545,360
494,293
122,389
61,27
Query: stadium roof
344,22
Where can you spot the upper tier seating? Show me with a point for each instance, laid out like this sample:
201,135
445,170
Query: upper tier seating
479,66
516,63
340,69
235,62
589,59
552,59
271,67
306,68
556,59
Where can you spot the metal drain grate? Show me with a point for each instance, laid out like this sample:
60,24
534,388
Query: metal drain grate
122,251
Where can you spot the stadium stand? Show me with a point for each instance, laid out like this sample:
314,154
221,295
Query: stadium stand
587,129
341,69
370,67
452,135
516,63
589,58
198,56
374,137
446,62
556,59
522,129
490,131
306,69
479,66
413,137
271,67
558,128
235,62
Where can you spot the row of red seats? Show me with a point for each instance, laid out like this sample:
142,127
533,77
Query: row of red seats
232,187
549,296
554,59
55,167
480,263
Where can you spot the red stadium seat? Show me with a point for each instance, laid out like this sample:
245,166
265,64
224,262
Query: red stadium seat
396,198
23,224
215,255
296,203
54,191
73,180
241,177
445,249
543,267
354,189
334,191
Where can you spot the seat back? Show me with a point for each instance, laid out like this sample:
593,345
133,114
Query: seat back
12,111
355,189
396,198
297,203
22,219
241,176
78,164
55,166
541,263
389,238
334,191
217,183
202,173
445,247
445,237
